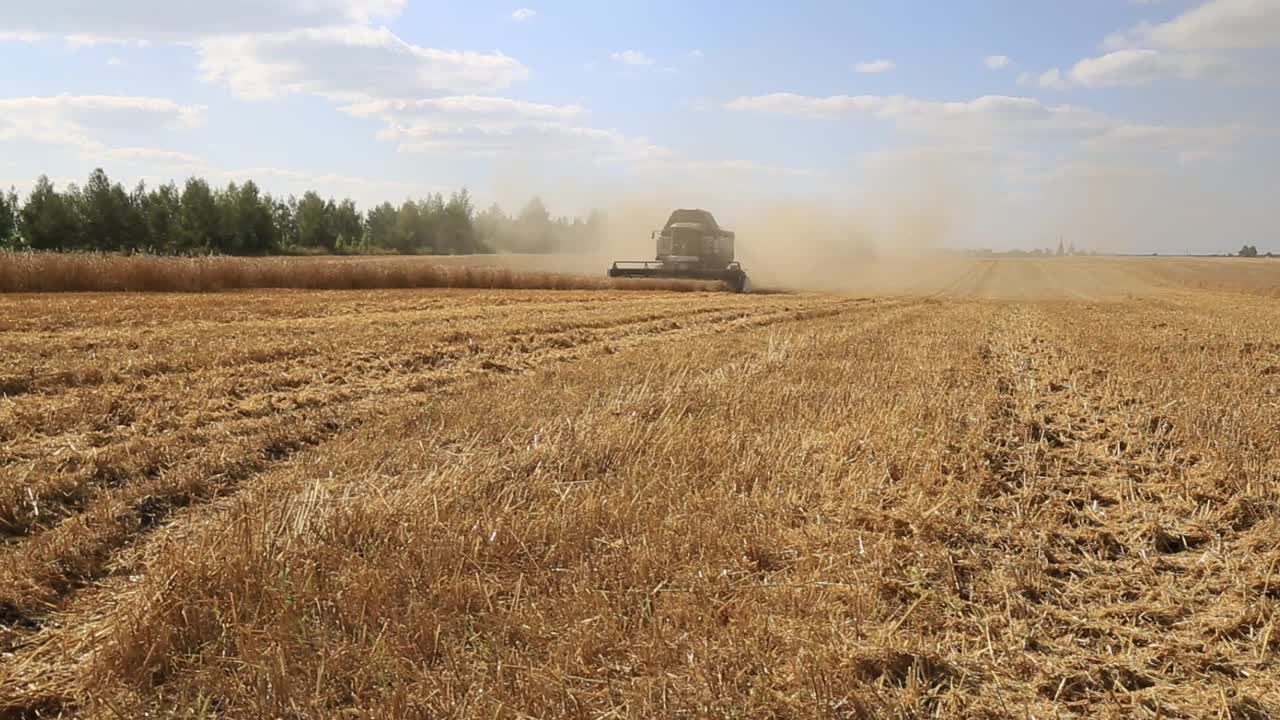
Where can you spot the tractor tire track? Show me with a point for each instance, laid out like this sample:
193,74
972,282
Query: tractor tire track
275,343
1084,478
75,464
45,570
29,665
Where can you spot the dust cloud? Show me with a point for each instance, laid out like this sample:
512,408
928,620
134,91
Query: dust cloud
1111,203
901,229
885,239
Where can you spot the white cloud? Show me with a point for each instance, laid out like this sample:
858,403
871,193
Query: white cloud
807,105
1191,158
560,141
1141,67
1052,78
1189,145
696,53
638,60
740,167
166,157
952,168
80,121
523,14
114,61
875,66
1214,25
995,62
365,190
1011,134
460,114
90,110
632,57
572,144
468,105
998,116
347,62
497,127
21,36
504,128
1135,67
1197,44
179,21
990,114
267,48
76,41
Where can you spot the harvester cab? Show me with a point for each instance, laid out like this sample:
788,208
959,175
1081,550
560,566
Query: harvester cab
691,245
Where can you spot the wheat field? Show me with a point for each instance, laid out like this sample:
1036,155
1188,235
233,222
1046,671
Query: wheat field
100,272
1009,488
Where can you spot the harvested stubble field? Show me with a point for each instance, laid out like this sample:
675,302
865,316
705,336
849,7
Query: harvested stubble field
483,503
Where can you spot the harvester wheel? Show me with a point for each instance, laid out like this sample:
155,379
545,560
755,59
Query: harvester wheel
738,282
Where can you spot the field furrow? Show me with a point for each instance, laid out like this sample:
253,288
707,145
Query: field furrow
1111,571
109,449
1042,489
287,361
86,508
45,363
867,319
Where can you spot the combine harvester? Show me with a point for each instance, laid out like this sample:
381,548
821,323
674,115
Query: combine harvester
691,245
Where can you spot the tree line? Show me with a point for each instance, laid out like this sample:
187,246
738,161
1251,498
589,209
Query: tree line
1251,251
240,219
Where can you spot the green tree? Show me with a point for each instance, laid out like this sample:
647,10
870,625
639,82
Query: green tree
1248,251
282,216
162,213
199,218
315,222
135,234
430,219
48,220
348,227
457,233
225,239
9,219
380,226
105,212
408,228
252,226
492,228
241,219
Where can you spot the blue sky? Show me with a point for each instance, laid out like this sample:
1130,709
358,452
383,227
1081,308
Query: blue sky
1132,125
